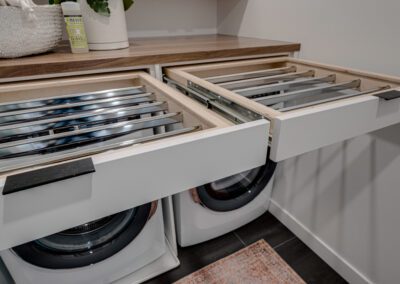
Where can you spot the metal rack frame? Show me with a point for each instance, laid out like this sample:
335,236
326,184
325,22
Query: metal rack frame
64,127
276,86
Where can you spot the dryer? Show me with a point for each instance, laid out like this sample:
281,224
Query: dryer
214,209
101,251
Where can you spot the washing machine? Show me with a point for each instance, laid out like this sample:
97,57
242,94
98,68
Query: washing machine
102,251
214,209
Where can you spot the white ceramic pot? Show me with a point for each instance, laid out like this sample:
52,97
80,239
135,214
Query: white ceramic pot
105,33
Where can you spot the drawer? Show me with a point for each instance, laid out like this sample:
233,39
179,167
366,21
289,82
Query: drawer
121,140
309,105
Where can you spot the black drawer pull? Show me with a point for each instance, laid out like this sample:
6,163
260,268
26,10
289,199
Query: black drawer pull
27,180
389,95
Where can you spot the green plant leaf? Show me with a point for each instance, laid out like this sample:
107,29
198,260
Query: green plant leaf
128,4
100,7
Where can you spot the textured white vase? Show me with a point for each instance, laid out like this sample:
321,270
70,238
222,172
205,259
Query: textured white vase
105,33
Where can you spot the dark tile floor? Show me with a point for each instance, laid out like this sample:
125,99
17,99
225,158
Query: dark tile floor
303,260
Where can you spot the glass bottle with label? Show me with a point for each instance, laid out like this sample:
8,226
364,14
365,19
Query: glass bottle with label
75,27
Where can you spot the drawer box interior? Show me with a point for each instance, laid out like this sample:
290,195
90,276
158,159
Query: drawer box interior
33,114
311,103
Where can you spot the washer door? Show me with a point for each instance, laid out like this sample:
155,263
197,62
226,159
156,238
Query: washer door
88,243
236,191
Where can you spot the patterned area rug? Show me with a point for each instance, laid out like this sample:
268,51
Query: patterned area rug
257,263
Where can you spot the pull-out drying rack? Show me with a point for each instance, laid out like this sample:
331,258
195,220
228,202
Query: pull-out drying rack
310,105
64,127
285,88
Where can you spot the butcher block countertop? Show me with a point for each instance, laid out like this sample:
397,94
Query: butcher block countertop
142,51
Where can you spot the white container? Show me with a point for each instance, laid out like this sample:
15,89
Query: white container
105,33
20,36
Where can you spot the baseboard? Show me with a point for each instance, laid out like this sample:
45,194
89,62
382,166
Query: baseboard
338,263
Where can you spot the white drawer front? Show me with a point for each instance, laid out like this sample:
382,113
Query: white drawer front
130,177
313,128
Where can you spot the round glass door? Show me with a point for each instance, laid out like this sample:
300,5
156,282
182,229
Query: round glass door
88,243
236,191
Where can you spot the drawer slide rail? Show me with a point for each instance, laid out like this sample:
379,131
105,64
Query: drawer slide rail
223,106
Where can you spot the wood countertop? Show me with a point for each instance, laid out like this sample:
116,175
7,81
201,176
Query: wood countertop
142,51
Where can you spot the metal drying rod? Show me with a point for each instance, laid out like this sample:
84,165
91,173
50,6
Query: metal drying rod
73,108
246,83
332,99
99,116
280,87
78,153
284,97
62,141
250,74
67,99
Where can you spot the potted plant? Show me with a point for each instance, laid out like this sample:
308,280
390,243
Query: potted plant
105,23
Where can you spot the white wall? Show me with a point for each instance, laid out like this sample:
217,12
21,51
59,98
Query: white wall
172,17
361,34
342,200
347,196
148,18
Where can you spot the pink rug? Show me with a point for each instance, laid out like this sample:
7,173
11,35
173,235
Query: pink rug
257,263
